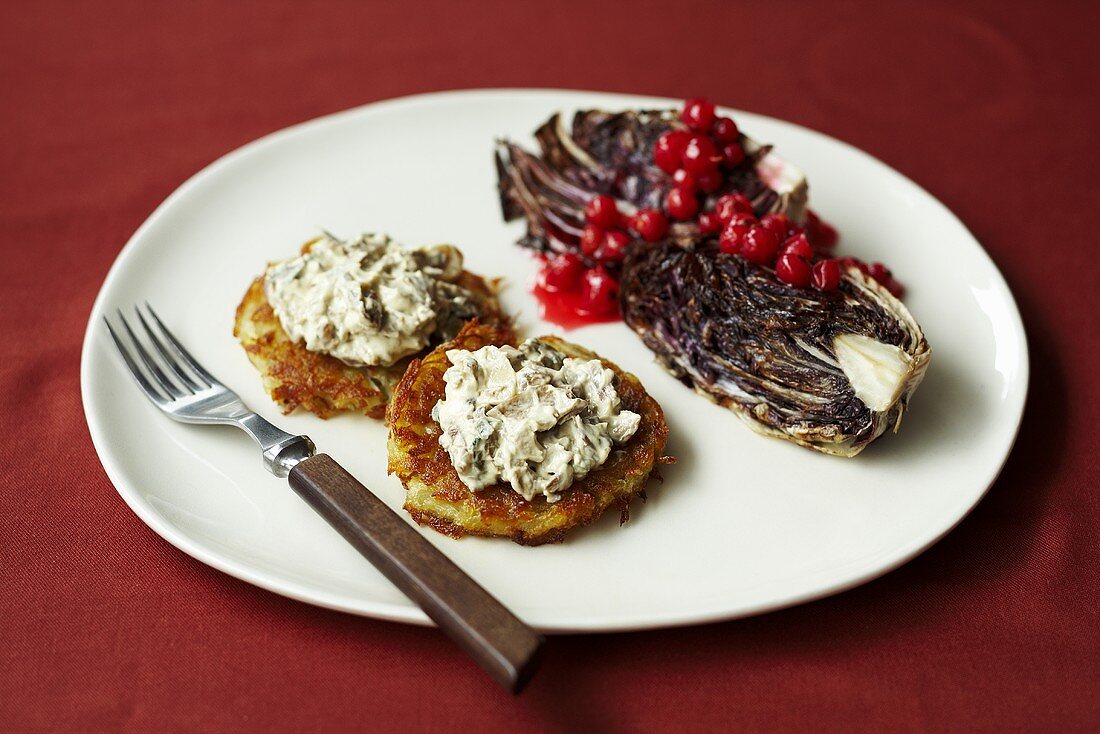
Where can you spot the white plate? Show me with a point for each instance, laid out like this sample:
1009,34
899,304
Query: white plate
741,524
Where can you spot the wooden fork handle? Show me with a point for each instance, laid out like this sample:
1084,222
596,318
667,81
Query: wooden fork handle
504,646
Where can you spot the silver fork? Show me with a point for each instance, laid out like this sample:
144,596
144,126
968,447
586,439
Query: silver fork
182,388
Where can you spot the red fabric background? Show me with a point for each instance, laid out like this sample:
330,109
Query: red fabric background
106,108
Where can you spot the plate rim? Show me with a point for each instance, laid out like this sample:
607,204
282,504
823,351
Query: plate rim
397,612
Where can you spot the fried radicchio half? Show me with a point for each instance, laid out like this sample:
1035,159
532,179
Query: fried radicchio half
612,153
828,370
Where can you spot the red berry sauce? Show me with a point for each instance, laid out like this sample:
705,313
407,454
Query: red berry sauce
573,288
564,309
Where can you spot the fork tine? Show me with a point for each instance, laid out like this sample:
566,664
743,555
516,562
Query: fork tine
181,351
171,361
165,384
142,381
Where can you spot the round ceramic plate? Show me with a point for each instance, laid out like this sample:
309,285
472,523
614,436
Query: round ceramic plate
741,523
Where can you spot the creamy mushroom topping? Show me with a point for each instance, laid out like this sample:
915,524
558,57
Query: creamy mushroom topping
529,416
369,301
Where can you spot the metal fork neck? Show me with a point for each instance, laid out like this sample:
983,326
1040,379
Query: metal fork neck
282,450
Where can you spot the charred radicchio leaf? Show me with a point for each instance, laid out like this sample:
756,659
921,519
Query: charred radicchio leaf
830,371
612,153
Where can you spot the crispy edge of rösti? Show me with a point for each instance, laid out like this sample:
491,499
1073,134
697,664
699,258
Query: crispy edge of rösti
437,497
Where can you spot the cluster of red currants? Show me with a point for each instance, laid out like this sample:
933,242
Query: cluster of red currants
595,288
606,235
774,240
695,157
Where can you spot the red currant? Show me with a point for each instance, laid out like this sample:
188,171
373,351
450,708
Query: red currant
791,268
681,203
777,224
885,278
724,130
733,236
601,210
853,262
879,272
613,247
730,204
732,155
826,275
684,180
822,234
700,156
797,244
760,246
698,114
591,239
709,223
599,293
669,150
650,224
561,271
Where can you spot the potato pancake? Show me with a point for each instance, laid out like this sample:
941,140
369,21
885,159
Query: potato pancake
437,497
298,378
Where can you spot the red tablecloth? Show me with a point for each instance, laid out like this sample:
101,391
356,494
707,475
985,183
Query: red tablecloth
106,108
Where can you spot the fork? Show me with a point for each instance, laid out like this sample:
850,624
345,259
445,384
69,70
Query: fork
183,389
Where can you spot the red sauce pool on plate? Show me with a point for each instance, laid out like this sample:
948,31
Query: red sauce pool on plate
562,308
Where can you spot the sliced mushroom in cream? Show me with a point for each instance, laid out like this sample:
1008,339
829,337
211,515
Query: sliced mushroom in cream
368,301
529,416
